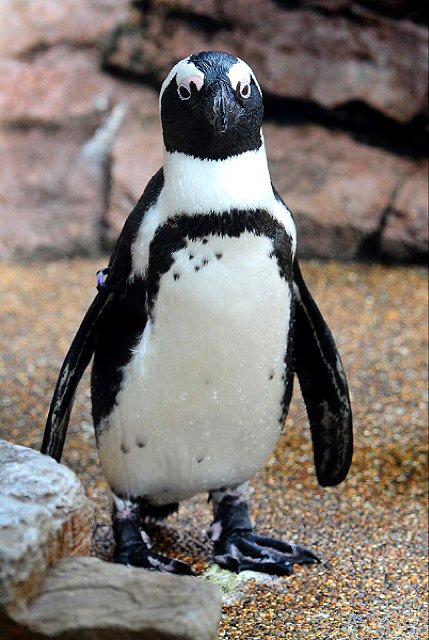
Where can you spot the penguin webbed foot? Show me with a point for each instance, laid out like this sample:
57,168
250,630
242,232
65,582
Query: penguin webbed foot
132,546
247,551
141,556
238,548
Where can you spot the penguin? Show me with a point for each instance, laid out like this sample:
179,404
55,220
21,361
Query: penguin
201,321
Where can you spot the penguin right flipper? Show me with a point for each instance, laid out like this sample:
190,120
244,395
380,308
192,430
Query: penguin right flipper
324,388
82,347
75,363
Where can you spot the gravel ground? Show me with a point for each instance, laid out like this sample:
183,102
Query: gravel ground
371,531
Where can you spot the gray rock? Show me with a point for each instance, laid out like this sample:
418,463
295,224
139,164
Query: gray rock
44,516
88,599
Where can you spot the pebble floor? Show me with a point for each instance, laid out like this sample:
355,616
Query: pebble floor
371,531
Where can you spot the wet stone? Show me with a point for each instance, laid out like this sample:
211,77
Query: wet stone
89,598
44,516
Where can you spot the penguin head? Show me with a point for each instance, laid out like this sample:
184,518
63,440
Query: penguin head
211,107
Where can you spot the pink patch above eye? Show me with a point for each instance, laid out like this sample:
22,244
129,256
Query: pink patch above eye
198,81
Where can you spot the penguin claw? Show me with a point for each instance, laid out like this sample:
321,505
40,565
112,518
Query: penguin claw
142,557
295,553
133,544
246,551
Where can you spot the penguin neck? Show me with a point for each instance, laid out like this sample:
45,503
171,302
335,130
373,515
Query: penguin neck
195,186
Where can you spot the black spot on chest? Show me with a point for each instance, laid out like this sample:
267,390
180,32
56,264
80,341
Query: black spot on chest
179,230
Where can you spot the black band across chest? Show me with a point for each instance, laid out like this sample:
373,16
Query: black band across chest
177,231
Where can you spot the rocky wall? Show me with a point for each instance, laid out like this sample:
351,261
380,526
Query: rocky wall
345,87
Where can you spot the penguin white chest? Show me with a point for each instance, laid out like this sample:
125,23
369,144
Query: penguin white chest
200,406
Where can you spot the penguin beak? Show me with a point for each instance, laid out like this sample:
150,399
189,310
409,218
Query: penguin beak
218,105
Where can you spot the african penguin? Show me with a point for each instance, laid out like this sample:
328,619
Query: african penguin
200,322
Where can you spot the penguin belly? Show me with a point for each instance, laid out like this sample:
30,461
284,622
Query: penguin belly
200,404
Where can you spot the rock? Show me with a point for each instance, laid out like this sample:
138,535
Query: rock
339,190
86,598
56,89
330,54
52,104
51,195
52,101
405,234
360,64
34,26
44,516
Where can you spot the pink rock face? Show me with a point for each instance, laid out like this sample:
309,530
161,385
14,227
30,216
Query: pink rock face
56,199
51,200
339,189
52,99
325,52
56,89
406,231
27,27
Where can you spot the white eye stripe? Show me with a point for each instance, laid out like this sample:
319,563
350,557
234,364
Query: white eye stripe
182,70
241,72
184,87
198,81
238,72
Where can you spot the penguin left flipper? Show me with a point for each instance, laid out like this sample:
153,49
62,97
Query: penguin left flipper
324,387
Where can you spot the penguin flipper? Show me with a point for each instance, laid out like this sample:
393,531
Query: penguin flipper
82,347
324,388
75,363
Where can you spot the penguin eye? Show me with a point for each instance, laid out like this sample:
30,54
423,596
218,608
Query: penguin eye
184,92
188,85
244,89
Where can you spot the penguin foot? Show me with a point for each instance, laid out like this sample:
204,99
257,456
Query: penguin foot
133,544
238,548
141,556
246,551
